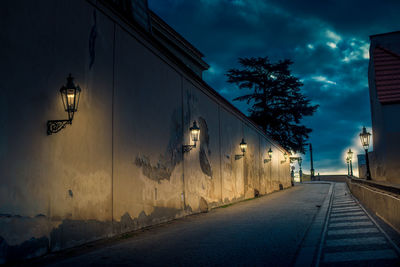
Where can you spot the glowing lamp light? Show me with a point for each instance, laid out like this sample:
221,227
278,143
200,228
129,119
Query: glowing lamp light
243,147
365,138
195,132
194,135
350,154
70,94
269,156
350,158
285,157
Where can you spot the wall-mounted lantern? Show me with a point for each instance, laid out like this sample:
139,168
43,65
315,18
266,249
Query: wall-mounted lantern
269,156
365,138
285,156
243,147
70,94
194,135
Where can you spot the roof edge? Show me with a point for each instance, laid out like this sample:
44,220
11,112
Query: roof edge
174,33
381,34
387,51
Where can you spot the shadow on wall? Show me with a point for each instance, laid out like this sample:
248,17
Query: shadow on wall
70,233
204,148
171,157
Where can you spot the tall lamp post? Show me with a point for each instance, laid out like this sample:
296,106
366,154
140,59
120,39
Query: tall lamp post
350,157
312,164
365,138
300,160
348,165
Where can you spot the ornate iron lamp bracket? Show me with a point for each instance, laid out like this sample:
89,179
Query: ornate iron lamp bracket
187,148
237,157
54,126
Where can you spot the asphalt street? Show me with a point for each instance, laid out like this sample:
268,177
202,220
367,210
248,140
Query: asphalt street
264,231
311,224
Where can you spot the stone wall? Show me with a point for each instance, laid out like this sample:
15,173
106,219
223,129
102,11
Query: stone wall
119,166
383,203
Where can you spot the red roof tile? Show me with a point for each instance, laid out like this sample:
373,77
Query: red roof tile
387,75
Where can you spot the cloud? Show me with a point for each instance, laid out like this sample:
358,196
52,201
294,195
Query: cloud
333,36
328,42
331,45
322,79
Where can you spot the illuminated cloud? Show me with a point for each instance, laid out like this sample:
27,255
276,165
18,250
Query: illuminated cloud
331,45
329,48
333,36
322,79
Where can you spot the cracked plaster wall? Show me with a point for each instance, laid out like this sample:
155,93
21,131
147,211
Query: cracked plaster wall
119,166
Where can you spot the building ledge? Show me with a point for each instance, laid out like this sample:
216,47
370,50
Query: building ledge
381,185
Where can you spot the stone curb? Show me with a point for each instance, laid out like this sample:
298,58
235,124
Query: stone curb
310,248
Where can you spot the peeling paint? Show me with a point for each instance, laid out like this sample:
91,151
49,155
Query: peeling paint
70,233
156,173
167,162
31,248
203,205
160,214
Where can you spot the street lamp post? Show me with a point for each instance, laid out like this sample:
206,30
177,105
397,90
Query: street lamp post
365,138
300,160
350,157
348,165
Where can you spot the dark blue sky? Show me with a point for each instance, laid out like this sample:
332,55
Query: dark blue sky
327,40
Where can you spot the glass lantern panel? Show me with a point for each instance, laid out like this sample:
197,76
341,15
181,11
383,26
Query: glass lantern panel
243,147
195,134
71,93
365,140
77,96
350,154
63,94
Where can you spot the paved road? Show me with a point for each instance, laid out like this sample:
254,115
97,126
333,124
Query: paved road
264,231
310,224
352,238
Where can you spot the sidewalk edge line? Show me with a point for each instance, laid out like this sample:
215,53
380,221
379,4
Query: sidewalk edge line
303,251
322,239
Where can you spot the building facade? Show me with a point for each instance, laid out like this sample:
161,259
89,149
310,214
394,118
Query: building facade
120,165
384,89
